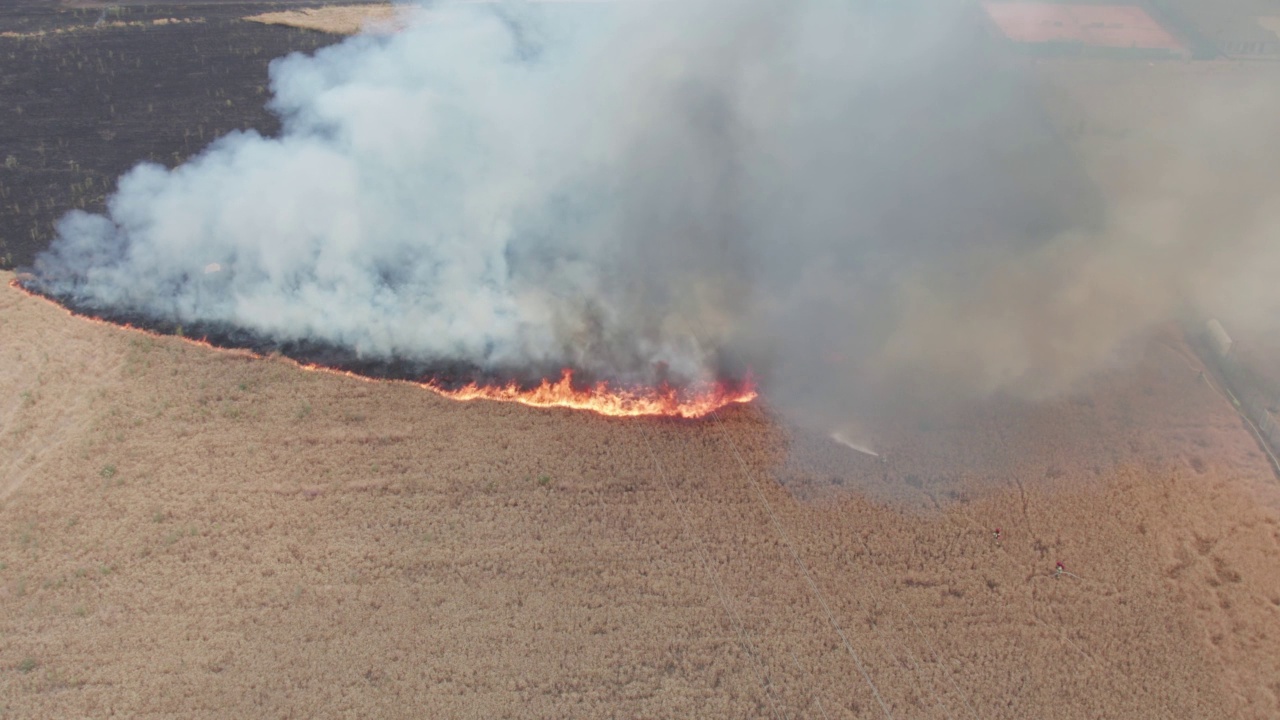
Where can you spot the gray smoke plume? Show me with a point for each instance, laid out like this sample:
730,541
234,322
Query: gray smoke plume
863,201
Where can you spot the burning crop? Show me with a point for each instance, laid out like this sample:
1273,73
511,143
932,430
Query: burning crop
605,400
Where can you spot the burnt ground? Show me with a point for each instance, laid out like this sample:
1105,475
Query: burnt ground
80,105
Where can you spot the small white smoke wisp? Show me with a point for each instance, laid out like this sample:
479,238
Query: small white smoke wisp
840,437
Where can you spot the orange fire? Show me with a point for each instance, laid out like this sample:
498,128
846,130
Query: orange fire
605,400
600,398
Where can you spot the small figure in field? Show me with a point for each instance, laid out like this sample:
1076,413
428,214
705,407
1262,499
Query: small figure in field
996,534
1059,570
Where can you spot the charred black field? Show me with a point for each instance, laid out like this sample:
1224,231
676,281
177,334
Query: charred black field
89,92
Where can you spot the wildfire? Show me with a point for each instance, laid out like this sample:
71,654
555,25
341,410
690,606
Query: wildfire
605,400
600,398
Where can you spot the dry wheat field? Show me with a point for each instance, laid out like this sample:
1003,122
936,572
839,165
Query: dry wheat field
187,532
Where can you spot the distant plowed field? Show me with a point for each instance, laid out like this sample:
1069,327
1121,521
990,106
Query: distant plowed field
193,533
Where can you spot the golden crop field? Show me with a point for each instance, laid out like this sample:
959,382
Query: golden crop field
191,532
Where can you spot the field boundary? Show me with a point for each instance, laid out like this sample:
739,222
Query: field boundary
1215,347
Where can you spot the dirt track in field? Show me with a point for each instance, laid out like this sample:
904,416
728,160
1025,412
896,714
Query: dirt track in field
192,533
336,19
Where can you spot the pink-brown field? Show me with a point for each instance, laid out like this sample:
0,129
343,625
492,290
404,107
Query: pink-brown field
191,533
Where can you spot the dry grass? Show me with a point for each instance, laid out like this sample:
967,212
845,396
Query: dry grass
189,532
337,19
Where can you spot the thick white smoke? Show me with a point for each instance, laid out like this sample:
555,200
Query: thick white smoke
503,186
848,196
522,185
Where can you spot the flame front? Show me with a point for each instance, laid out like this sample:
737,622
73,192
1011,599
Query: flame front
695,402
606,400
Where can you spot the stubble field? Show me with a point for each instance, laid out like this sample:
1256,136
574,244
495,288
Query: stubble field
186,532
190,532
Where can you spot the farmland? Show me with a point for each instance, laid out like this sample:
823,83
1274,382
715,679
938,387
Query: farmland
198,533
187,531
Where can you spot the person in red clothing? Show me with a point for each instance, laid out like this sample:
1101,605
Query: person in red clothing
1059,570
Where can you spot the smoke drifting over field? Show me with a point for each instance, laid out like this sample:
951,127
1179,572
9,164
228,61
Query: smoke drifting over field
855,199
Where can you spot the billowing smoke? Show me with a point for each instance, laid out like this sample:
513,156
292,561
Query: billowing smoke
500,186
859,200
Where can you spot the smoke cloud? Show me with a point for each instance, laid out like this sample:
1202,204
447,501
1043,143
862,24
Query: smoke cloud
862,201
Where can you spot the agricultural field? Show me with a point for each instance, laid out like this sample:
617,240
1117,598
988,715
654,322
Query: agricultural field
193,532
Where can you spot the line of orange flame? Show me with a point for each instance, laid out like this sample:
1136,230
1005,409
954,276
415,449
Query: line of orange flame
600,398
